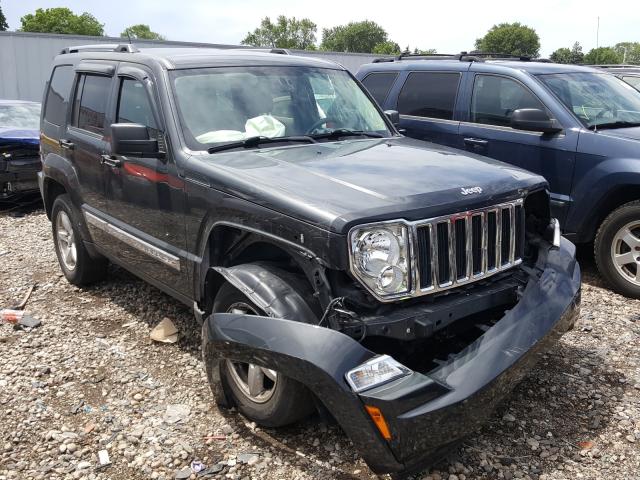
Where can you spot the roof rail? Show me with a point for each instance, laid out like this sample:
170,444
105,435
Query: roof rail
278,51
462,56
101,47
616,66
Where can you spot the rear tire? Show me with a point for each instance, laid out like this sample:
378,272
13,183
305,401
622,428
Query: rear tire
281,402
617,249
78,266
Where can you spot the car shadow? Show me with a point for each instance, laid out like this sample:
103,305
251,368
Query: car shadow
566,394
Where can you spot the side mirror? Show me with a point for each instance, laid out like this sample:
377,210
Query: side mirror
533,120
393,116
133,139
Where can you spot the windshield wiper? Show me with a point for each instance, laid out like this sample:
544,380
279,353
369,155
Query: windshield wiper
253,142
619,124
346,132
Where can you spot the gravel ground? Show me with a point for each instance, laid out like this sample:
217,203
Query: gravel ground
89,379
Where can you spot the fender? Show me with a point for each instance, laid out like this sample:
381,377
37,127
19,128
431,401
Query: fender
62,171
591,191
273,295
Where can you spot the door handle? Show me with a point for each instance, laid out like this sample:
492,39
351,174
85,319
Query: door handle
66,144
476,142
110,160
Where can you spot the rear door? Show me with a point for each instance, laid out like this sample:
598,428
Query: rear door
487,131
427,102
84,137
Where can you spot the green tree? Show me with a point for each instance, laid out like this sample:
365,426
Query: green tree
4,26
387,48
428,51
61,20
359,37
141,31
511,39
629,51
573,55
284,33
602,56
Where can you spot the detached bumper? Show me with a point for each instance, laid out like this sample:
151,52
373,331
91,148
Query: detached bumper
425,413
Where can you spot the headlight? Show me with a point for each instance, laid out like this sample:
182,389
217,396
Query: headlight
378,370
556,232
380,258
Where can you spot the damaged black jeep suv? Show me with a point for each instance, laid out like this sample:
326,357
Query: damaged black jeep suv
400,286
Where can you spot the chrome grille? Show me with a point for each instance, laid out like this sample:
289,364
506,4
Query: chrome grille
464,247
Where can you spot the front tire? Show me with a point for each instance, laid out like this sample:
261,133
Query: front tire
262,395
78,266
617,249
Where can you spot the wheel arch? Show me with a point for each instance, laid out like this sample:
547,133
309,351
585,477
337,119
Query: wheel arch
230,248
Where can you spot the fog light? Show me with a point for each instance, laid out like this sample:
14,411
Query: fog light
378,370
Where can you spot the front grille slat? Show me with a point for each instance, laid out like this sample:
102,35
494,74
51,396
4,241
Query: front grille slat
468,246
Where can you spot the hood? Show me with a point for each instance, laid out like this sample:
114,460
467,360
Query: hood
335,185
13,135
631,133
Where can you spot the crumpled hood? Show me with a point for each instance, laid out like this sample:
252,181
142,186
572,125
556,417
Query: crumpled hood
12,135
337,184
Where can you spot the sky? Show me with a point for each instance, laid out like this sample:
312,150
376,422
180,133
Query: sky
447,26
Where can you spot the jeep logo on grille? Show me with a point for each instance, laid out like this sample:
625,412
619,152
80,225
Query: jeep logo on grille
470,190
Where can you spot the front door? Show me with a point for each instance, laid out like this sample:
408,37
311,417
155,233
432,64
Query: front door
145,210
488,132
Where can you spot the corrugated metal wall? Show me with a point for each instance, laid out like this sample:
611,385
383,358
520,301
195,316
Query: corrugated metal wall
25,59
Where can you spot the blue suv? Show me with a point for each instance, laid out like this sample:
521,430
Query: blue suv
579,127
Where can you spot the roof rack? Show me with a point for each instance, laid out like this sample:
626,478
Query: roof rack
101,47
278,51
616,66
462,57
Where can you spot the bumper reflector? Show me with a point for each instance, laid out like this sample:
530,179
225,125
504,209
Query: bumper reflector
380,422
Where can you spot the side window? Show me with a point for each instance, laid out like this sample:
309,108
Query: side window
633,81
90,102
134,105
55,110
379,85
429,94
495,99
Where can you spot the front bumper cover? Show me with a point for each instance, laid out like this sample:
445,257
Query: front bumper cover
18,175
426,414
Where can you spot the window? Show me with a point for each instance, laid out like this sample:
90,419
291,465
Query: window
599,100
429,94
496,98
633,81
92,92
58,95
379,85
134,105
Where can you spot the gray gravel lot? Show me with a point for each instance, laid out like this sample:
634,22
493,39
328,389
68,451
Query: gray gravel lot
89,379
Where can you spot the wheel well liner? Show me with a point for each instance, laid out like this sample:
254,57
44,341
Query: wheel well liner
52,189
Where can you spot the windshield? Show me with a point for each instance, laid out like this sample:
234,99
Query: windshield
26,115
222,105
597,99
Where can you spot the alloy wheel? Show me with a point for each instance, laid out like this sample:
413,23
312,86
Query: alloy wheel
255,382
66,241
625,252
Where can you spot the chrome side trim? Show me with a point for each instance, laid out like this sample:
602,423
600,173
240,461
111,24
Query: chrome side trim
140,245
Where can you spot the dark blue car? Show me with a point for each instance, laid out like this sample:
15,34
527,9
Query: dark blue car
19,147
578,127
